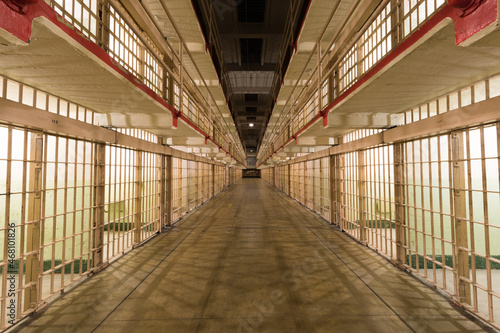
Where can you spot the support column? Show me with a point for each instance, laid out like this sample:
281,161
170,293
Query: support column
138,197
359,71
274,176
288,180
336,85
165,84
313,179
333,188
321,188
341,191
399,194
99,201
460,217
320,76
180,170
396,22
169,189
362,197
197,183
34,216
171,91
213,180
160,190
201,182
181,77
141,56
103,25
331,88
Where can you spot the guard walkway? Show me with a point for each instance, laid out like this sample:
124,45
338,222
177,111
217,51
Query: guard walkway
251,260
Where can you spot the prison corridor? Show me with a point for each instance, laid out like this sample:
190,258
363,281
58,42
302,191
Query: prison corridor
251,260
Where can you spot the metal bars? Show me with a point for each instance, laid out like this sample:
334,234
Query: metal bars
430,204
109,25
70,206
388,26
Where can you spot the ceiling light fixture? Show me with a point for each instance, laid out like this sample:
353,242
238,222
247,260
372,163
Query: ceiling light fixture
251,124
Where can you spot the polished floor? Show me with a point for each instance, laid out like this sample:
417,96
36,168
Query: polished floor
251,260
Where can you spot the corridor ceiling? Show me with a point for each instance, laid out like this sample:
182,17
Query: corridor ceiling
252,56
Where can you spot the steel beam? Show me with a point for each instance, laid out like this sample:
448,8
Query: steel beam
364,120
160,121
24,116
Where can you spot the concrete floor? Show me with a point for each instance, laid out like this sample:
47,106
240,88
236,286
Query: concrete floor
251,260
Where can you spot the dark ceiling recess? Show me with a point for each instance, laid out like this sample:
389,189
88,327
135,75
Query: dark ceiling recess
251,50
246,41
251,11
251,97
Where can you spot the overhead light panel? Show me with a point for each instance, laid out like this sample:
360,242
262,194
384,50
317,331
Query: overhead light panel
251,124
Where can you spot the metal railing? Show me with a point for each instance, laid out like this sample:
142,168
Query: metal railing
108,24
388,26
91,201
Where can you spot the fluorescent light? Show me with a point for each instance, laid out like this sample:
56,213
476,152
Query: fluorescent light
251,124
